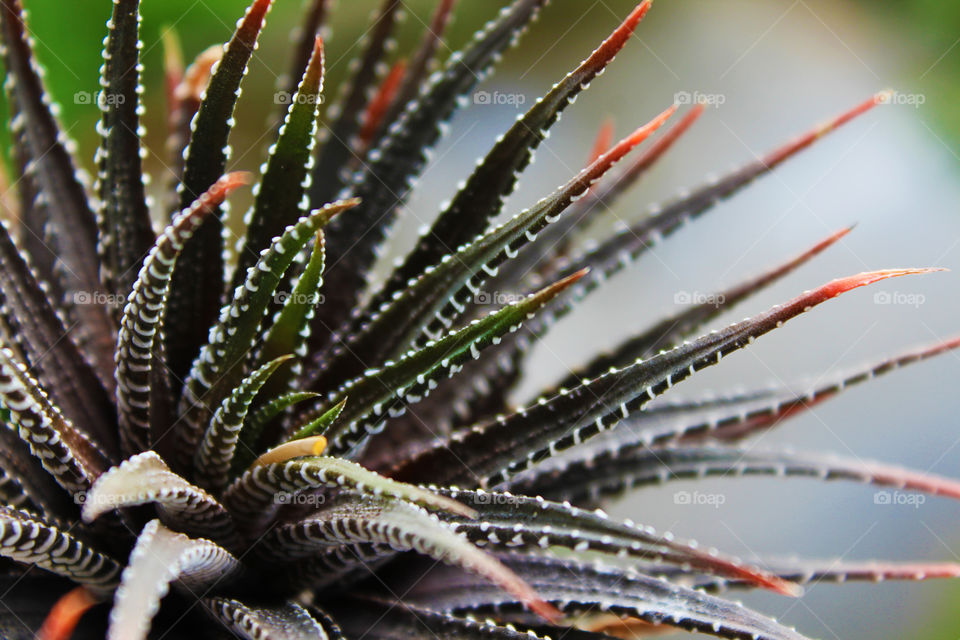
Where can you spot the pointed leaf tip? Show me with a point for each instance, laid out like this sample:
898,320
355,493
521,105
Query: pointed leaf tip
882,97
830,240
570,280
803,141
66,613
223,187
868,104
842,285
343,205
646,130
638,13
235,179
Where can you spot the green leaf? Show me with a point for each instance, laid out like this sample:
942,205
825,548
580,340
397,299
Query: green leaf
291,327
217,450
221,363
256,423
388,390
280,199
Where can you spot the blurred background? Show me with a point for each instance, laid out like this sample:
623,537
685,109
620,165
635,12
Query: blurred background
771,69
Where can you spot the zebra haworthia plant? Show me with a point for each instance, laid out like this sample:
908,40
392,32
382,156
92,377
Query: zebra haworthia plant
222,456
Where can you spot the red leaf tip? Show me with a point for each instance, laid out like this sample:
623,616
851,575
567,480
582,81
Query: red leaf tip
883,97
643,132
847,116
842,285
638,12
234,179
66,613
560,285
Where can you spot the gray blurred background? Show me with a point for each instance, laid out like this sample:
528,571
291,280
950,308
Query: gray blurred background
777,66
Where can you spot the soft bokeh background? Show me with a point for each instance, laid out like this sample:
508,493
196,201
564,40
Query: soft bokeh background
778,66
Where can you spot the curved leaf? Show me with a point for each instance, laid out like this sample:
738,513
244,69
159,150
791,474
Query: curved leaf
145,479
32,325
72,459
159,558
578,587
287,621
508,522
254,425
403,527
144,314
26,538
255,497
217,450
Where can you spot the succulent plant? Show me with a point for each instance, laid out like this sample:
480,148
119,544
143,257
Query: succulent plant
274,445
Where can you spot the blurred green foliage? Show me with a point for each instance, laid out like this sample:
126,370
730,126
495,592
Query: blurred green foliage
931,29
68,42
68,38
